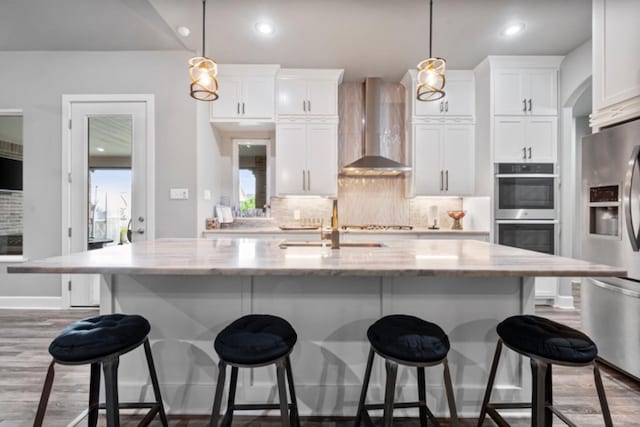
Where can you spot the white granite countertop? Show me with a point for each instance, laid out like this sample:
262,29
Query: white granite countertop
264,257
275,230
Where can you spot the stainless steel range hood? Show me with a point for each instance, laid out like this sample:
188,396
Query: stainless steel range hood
380,132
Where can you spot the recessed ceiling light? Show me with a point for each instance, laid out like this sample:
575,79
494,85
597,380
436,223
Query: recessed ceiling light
183,31
513,29
100,149
265,28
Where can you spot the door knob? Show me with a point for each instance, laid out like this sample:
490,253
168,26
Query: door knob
140,219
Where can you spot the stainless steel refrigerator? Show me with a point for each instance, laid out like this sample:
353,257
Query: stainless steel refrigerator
611,235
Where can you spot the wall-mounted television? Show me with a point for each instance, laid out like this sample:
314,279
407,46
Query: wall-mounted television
10,174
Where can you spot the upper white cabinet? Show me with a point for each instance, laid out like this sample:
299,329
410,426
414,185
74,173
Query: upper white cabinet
444,159
616,61
245,92
308,93
307,159
459,99
521,91
525,139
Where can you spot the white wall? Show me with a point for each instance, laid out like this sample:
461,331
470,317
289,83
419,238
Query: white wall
35,83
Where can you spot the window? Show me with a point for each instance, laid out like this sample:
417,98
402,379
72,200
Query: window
11,185
251,177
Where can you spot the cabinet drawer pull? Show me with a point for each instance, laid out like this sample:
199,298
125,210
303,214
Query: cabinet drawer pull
524,152
304,181
309,106
446,174
530,104
446,106
243,108
304,105
441,180
441,106
238,108
529,152
524,102
308,180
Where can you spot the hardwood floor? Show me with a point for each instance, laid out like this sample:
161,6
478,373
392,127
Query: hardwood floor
26,334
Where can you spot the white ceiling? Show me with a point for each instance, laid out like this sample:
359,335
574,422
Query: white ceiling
112,134
365,37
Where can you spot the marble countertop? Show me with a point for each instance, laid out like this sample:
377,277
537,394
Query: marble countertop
276,230
232,256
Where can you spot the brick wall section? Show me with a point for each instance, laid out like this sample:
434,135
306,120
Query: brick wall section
11,203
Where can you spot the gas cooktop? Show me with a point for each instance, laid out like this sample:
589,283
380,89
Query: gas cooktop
376,227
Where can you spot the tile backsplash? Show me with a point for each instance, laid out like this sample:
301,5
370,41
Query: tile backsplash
369,201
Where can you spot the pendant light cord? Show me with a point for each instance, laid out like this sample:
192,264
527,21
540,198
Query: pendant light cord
204,11
430,26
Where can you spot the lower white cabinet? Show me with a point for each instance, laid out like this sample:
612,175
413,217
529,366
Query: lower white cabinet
306,159
443,159
525,139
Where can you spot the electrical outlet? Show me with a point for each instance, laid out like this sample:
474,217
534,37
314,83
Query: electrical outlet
296,214
179,194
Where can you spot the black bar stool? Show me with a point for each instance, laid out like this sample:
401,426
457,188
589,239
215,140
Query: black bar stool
97,341
254,341
546,343
409,341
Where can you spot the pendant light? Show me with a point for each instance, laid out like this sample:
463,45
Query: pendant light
430,78
203,71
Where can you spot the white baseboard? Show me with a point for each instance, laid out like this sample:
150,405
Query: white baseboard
564,302
47,303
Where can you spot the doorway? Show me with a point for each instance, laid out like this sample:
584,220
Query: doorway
108,180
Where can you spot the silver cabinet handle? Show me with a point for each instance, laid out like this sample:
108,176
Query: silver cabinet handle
308,180
524,152
524,102
446,106
304,105
441,106
238,108
243,108
304,181
634,237
446,186
309,106
529,152
530,104
441,180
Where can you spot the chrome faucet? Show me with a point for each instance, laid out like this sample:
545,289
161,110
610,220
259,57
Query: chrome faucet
334,234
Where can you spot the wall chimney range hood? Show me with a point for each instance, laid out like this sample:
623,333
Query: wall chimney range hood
380,130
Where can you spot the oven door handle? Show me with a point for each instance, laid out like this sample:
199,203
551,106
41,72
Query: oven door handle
526,175
634,237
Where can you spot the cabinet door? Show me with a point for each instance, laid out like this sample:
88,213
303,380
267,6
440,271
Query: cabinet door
229,98
459,159
322,98
509,139
428,172
291,154
292,95
258,97
508,93
541,136
322,159
542,90
460,98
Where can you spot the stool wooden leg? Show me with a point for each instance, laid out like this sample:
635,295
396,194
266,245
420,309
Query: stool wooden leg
282,391
44,397
217,400
365,386
110,368
154,382
94,394
390,391
233,383
422,396
539,375
490,381
548,400
294,417
602,396
451,399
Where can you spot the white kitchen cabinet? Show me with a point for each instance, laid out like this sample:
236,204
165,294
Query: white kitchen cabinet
459,99
525,91
616,62
246,92
306,159
443,159
308,93
525,139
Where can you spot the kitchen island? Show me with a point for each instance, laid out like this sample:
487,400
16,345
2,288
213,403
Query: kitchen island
190,289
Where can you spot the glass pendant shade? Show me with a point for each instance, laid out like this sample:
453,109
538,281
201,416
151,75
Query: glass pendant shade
430,79
204,82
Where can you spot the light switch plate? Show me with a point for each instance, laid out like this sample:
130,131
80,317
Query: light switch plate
179,194
296,214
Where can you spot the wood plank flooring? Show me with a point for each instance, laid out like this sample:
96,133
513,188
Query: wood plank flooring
26,334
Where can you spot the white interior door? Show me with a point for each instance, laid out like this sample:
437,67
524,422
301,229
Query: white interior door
99,132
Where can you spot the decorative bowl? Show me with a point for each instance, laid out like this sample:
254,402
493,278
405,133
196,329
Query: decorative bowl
456,216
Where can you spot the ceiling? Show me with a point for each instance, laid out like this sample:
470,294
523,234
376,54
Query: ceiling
365,37
112,134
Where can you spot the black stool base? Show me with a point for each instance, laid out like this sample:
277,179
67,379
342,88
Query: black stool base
542,409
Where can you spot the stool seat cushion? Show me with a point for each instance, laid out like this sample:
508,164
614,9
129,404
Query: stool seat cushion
255,339
408,338
546,338
99,336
